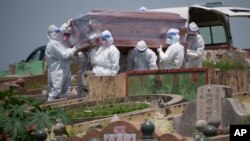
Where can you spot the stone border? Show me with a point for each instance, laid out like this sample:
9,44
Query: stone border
174,99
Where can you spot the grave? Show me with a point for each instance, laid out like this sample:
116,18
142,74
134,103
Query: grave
124,131
183,82
209,101
213,102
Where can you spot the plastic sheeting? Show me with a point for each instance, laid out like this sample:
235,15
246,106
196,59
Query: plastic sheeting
126,27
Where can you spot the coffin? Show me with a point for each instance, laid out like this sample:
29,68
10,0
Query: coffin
127,27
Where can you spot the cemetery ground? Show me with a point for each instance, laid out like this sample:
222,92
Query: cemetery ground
184,104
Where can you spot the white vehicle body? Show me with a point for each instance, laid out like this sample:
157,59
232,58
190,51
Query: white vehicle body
222,27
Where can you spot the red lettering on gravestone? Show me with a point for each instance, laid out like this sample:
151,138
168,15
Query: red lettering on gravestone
107,139
119,129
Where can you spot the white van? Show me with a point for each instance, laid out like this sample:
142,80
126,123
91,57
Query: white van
222,27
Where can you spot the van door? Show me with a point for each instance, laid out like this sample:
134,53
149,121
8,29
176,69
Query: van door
213,28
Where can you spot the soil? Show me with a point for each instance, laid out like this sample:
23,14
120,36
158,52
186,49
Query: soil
245,100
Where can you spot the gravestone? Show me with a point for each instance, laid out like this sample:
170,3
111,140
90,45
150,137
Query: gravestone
120,131
208,106
209,100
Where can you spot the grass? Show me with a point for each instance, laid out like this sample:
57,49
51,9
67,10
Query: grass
106,110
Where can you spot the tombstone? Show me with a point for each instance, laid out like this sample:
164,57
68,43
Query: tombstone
209,100
207,107
120,130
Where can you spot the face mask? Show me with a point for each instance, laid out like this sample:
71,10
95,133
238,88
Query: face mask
169,41
105,43
191,36
54,36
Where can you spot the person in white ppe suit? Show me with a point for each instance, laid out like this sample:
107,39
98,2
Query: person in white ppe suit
195,48
141,58
107,56
65,41
174,55
80,58
57,58
142,9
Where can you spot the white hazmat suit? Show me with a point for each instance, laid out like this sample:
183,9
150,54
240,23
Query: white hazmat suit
57,58
141,58
195,47
142,9
174,55
65,40
106,58
80,58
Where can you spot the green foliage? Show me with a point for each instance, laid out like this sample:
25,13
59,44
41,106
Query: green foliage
4,73
5,94
41,119
58,113
181,83
246,121
225,64
15,126
21,115
15,111
105,110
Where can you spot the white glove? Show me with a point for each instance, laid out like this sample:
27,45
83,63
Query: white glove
159,49
74,49
188,50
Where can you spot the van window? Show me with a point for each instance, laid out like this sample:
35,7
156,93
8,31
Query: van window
206,34
240,31
35,56
213,35
218,34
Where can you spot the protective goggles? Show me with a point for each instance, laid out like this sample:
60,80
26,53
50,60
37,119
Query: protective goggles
104,37
171,34
57,30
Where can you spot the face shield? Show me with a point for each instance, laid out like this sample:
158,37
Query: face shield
106,38
191,33
170,36
53,32
141,46
192,29
141,51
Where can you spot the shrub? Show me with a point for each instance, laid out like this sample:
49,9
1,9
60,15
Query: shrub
21,115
